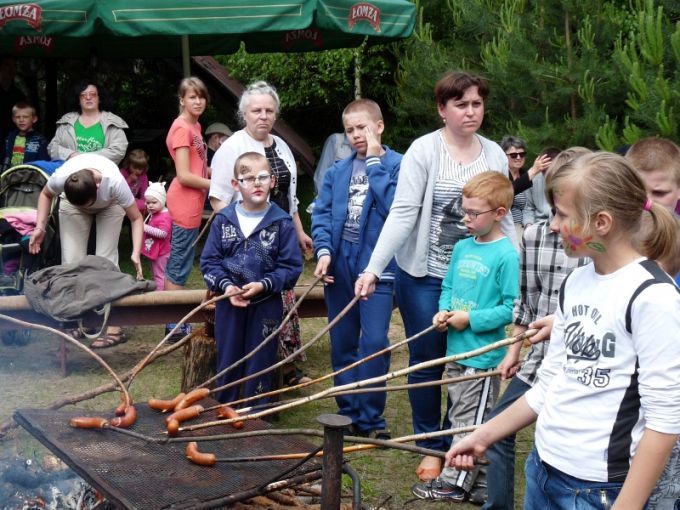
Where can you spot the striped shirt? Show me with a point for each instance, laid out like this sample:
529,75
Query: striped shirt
543,267
446,224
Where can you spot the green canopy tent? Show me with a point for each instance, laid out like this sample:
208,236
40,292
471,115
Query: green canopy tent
68,29
162,28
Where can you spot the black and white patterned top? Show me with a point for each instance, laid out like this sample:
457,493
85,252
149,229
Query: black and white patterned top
279,195
446,224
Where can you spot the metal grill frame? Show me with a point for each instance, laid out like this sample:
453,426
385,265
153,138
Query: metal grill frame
135,474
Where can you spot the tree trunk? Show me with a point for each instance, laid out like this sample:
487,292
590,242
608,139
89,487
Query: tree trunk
200,357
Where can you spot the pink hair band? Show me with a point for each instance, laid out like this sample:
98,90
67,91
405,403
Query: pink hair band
648,205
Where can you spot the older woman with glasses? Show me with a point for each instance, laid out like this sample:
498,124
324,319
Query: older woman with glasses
516,151
258,109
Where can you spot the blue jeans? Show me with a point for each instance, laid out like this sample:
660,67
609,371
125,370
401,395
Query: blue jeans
418,300
360,333
181,259
500,474
549,488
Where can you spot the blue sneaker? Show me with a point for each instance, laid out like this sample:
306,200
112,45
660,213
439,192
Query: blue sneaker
179,333
439,490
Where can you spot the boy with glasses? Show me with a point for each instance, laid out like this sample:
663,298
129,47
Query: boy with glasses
252,247
476,303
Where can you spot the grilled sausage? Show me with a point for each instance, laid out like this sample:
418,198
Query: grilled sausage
86,422
185,414
173,428
127,420
165,405
191,397
120,410
202,459
228,413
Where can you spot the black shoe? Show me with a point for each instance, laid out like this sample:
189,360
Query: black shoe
478,495
439,490
383,434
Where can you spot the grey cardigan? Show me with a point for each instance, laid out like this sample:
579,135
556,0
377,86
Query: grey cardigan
115,142
406,234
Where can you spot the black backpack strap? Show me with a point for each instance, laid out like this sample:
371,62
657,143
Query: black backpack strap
564,283
658,276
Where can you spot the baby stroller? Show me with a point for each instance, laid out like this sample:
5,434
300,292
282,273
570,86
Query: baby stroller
20,187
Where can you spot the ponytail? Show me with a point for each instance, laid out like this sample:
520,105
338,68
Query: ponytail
658,240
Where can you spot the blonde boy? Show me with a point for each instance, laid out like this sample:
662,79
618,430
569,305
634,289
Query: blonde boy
23,144
252,247
476,303
349,214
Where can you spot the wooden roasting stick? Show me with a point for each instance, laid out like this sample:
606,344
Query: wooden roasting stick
367,382
264,342
294,354
378,389
99,390
333,374
79,345
209,459
140,366
205,227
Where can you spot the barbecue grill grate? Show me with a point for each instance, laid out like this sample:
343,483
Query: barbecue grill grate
135,474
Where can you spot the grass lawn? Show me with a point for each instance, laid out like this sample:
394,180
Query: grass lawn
30,377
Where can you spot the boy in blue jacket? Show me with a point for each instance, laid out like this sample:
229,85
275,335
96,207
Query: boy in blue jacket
23,144
349,214
252,246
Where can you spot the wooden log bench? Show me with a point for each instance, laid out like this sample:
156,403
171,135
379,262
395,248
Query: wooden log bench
142,309
147,309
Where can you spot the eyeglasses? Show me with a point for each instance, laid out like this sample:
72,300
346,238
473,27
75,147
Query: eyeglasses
474,215
516,155
88,95
247,182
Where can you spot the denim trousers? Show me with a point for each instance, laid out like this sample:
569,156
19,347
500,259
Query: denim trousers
548,488
360,333
500,473
418,301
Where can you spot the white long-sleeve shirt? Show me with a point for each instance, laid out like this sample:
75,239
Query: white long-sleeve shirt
611,371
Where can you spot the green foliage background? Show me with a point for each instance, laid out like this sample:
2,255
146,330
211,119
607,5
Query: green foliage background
598,74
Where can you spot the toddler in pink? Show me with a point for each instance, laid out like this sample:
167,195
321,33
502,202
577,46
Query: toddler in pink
157,232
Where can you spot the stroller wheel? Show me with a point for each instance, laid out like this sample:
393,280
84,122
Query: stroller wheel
16,337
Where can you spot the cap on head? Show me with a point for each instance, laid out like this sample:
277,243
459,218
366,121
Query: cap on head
218,127
156,190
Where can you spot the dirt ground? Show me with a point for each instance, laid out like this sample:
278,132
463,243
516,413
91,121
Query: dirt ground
30,377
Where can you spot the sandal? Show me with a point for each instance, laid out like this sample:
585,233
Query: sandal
295,377
109,340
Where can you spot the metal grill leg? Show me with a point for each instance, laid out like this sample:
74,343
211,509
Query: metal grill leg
331,486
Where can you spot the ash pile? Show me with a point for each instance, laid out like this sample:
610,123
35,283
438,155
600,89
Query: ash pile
45,484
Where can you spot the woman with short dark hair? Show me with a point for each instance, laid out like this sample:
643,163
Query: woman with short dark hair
424,224
89,129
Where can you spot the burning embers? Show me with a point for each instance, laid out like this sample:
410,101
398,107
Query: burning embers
48,484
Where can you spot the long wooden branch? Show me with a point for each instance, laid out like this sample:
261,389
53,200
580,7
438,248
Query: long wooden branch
333,374
367,382
377,389
99,390
140,366
77,344
269,337
294,354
